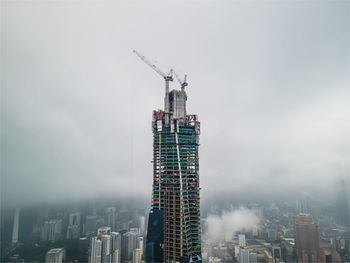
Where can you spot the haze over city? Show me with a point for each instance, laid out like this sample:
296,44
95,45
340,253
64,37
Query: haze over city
269,80
102,163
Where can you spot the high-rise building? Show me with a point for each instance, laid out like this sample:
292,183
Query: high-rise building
55,255
303,204
241,240
106,248
135,230
92,223
116,247
95,255
129,241
73,229
276,252
137,255
272,233
142,226
116,256
110,217
244,255
253,257
155,237
342,201
51,230
307,239
83,249
175,197
15,226
139,243
255,231
104,230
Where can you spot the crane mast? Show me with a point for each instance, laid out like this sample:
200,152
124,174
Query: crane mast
167,77
183,83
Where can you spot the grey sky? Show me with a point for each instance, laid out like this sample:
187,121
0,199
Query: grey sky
269,81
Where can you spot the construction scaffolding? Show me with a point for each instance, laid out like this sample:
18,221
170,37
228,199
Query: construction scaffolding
175,196
176,184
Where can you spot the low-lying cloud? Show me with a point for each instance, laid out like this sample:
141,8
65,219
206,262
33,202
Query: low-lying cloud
76,103
229,222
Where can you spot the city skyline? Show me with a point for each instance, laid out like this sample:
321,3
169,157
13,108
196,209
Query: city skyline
243,158
279,233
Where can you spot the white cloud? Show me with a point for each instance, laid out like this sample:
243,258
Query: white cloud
230,222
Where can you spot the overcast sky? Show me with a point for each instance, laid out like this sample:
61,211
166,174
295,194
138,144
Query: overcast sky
269,81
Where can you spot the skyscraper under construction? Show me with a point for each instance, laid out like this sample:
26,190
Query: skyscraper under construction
174,233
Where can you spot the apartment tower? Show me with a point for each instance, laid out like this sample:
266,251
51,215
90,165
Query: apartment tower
307,239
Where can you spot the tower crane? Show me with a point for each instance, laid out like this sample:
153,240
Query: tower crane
183,82
167,77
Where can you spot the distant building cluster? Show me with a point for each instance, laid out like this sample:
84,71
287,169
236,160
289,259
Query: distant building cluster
94,234
108,232
105,247
282,237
